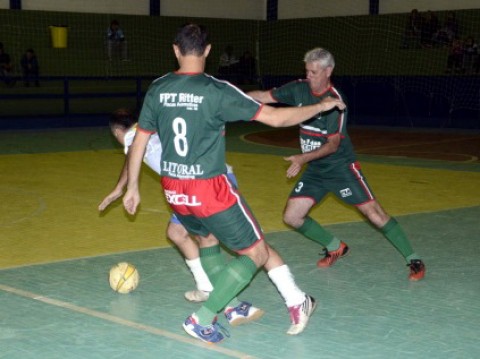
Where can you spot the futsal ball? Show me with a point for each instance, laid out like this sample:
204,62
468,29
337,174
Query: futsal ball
123,277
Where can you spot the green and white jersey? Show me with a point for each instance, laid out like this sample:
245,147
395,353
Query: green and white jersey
189,113
315,131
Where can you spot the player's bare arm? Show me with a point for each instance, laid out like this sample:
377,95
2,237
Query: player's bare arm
262,96
131,199
118,190
297,161
290,116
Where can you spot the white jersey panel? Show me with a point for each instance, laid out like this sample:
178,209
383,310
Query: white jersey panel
153,152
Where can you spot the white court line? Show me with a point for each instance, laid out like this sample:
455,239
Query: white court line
125,322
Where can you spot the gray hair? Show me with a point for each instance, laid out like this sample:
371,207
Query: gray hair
324,57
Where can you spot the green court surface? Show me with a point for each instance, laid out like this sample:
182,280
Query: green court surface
55,301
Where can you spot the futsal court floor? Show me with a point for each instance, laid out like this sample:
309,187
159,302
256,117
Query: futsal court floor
57,249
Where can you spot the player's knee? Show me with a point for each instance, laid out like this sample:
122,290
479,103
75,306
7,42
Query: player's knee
258,253
177,233
292,219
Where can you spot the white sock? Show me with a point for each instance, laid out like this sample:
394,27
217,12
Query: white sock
285,283
201,278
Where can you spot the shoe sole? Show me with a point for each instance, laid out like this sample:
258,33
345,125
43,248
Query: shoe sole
194,300
244,320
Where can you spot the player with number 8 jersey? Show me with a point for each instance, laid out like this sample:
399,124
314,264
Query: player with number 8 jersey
193,123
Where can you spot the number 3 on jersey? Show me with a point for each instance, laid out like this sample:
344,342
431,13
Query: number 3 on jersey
179,127
299,187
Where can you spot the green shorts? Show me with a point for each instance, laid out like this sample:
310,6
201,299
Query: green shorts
235,227
346,182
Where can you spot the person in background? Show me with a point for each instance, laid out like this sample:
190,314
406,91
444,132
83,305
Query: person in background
30,68
228,64
6,68
455,57
428,29
247,69
470,55
116,41
413,27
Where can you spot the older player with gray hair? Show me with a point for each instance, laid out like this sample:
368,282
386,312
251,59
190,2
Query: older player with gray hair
331,166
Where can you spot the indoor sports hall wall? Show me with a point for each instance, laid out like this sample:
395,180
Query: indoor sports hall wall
370,60
244,9
363,45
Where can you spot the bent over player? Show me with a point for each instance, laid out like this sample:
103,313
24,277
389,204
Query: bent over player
331,166
189,110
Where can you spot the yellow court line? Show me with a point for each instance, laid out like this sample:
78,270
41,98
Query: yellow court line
124,322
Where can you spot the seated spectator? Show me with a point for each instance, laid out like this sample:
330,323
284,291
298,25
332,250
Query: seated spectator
455,57
30,69
247,68
411,36
116,41
428,29
449,31
228,62
6,68
470,55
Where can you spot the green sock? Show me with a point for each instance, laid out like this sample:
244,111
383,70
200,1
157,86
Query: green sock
236,276
314,231
213,262
395,234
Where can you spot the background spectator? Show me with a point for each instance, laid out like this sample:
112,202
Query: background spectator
228,62
6,68
455,57
448,31
428,29
470,55
116,41
30,69
413,28
247,68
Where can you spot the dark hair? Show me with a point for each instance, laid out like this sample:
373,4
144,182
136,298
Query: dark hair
123,118
192,39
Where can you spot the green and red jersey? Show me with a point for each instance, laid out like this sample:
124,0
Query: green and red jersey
189,113
315,131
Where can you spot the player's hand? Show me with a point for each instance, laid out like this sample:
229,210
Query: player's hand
295,165
329,103
113,196
131,200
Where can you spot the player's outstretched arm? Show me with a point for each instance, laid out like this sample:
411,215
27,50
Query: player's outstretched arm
290,116
262,96
131,199
118,190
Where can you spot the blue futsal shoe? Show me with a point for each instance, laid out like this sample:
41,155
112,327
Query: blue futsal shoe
211,333
242,314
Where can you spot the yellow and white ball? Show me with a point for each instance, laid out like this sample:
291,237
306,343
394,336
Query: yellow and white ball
123,277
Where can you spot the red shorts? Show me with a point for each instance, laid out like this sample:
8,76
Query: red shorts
213,206
199,197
